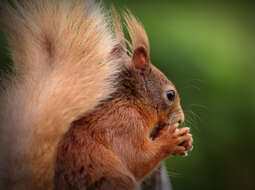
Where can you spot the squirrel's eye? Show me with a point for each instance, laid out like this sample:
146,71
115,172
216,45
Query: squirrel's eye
171,95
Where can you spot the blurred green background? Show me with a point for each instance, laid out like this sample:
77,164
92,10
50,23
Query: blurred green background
207,50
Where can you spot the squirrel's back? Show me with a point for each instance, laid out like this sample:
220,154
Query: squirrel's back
61,52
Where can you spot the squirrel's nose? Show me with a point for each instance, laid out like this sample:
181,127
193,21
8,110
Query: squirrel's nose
180,121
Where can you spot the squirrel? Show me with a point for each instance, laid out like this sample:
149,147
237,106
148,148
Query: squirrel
82,110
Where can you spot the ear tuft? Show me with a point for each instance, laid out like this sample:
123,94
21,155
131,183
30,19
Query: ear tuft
140,58
136,32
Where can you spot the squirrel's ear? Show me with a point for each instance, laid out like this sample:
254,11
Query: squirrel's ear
141,58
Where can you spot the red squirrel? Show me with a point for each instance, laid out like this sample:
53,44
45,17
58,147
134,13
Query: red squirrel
81,110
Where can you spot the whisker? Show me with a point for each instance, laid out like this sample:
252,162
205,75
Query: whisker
199,106
192,119
194,114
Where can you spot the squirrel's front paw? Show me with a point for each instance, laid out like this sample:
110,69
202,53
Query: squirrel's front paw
175,141
184,141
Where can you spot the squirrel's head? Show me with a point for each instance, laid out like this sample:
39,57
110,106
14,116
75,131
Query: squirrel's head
150,86
155,90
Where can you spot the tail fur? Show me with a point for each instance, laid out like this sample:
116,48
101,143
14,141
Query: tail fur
61,51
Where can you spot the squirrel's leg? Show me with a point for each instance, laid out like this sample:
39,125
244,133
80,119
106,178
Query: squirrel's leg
115,175
82,163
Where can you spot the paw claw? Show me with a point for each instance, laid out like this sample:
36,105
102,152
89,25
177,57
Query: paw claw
185,154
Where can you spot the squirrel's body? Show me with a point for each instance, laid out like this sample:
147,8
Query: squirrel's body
79,113
115,137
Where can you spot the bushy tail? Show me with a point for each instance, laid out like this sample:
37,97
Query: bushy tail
61,51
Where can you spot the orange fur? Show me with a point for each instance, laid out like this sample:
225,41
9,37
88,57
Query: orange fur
63,68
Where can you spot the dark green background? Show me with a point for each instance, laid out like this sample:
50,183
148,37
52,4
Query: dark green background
207,50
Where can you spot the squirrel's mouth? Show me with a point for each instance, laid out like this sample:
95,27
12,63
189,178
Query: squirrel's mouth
159,127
